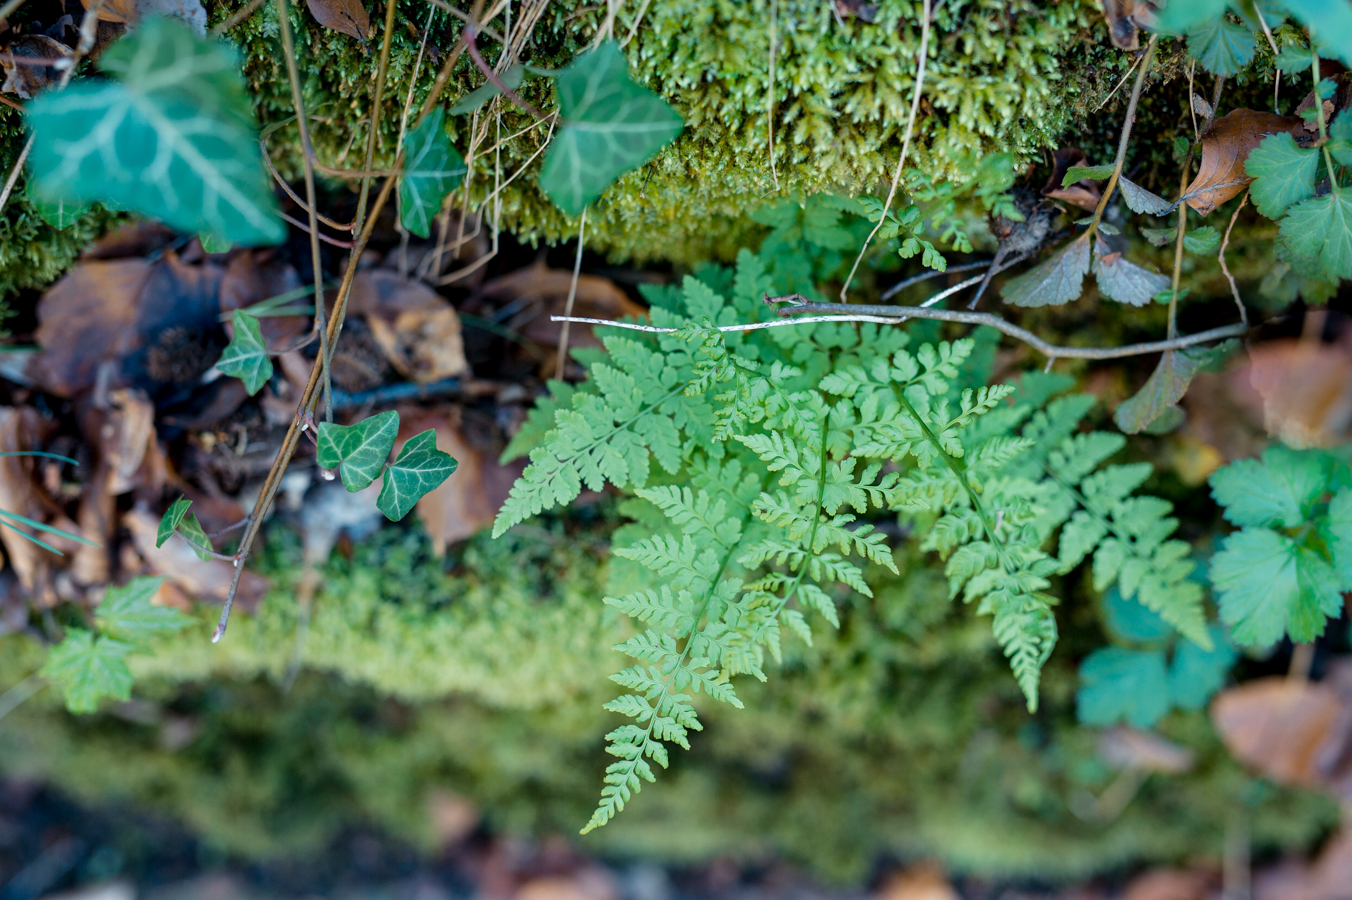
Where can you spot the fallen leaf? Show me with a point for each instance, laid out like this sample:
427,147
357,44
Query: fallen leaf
1306,388
1278,726
1125,18
254,276
203,579
27,80
925,881
1131,748
543,292
131,240
1054,281
424,344
17,496
591,883
1225,148
347,16
1170,884
130,12
1084,194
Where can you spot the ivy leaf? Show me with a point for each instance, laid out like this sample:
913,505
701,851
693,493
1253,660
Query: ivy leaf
178,101
1221,46
1160,237
1284,174
607,126
1142,201
358,451
1124,281
1195,674
89,669
1321,228
1117,684
246,356
127,614
1053,282
191,530
1269,587
432,169
1166,386
169,524
1079,173
1280,490
418,469
1202,240
476,98
58,213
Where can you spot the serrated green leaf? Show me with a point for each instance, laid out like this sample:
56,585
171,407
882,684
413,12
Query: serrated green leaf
246,356
1340,139
1269,587
1330,23
1054,281
1142,201
1279,490
478,97
127,614
1195,674
212,243
1160,237
1320,228
1336,531
60,214
88,669
191,530
1180,16
432,169
1080,173
1202,240
169,523
1221,46
418,469
607,126
1283,172
1122,280
1118,684
358,451
1295,60
178,101
1162,391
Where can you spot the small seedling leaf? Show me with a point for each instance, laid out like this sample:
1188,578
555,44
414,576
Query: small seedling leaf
169,524
246,356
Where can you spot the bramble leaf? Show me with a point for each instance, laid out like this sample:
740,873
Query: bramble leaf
1295,60
1321,228
1116,684
1160,237
1269,587
418,469
432,169
1080,173
1053,282
358,451
1280,490
127,614
89,668
246,356
1202,240
1165,387
1122,280
178,101
1283,172
1221,46
607,126
172,517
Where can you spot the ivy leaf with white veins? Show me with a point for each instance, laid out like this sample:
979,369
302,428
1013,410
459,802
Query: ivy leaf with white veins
432,169
1268,587
1054,281
88,669
172,137
358,451
607,126
127,614
246,356
1166,386
1125,281
169,524
192,531
1321,228
418,470
60,214
1142,201
1283,172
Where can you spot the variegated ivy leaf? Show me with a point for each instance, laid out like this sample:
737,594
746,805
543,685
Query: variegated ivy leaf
246,356
432,169
171,137
418,469
608,125
169,524
191,530
358,451
60,214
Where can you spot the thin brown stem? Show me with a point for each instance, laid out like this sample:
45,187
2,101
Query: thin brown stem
281,182
572,295
1220,257
1125,139
336,242
54,62
377,100
495,79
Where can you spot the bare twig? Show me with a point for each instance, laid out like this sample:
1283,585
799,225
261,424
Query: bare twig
10,103
337,242
281,182
470,18
572,295
932,273
638,20
58,62
1181,203
1225,242
1114,91
607,28
905,141
1125,138
248,10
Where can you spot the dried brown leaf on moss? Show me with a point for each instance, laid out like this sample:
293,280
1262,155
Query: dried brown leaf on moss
1225,148
423,344
1084,194
1278,726
1054,281
347,16
1306,387
542,292
1125,18
27,80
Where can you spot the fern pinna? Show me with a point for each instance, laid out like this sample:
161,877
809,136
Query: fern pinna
771,444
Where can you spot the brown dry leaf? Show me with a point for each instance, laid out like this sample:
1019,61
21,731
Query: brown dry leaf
453,817
1225,148
132,240
17,495
1125,18
424,344
381,292
590,883
129,12
925,881
1278,726
1306,389
253,276
467,501
1085,194
205,580
28,80
347,16
545,291
1170,884
1130,748
1326,878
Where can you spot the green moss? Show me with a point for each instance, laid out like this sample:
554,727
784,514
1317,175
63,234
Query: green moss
902,733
